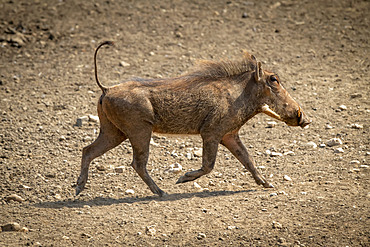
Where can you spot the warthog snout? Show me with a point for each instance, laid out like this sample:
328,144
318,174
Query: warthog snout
214,101
303,120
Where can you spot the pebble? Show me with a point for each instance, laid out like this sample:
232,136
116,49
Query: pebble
150,230
175,168
129,192
356,126
273,194
201,236
338,150
231,227
342,107
289,153
93,118
287,178
274,154
322,145
198,153
328,126
62,138
124,64
276,225
197,186
101,168
189,156
81,120
271,124
11,227
334,142
119,169
311,144
14,197
364,166
354,162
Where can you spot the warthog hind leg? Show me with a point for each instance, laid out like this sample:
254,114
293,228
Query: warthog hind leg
108,138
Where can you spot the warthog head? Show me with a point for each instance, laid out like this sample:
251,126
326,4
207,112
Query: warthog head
277,102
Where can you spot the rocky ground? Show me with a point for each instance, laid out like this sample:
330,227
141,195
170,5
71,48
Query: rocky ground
321,174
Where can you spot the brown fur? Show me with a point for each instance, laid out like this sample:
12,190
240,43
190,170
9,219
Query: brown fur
215,101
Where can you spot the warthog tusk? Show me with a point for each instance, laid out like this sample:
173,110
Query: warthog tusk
267,110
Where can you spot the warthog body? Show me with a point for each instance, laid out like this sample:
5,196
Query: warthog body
215,101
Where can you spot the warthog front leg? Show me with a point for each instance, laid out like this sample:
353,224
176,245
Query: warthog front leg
236,147
208,162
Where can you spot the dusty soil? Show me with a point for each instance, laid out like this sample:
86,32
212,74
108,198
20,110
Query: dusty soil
320,50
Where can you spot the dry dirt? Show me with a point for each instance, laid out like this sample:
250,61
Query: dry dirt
320,50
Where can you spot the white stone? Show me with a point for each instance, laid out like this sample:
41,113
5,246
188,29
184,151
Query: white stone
271,124
124,64
198,153
150,230
201,236
311,144
334,142
287,178
339,150
175,168
289,153
354,162
129,192
364,166
342,107
93,118
274,154
322,145
356,126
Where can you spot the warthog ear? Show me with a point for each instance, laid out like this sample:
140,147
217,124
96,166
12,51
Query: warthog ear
258,72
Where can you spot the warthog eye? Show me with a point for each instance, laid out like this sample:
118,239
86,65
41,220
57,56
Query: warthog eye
273,78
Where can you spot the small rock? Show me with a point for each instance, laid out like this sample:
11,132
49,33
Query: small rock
334,142
14,197
338,150
364,166
198,153
276,225
311,144
11,227
189,156
274,154
62,138
356,95
150,230
273,194
197,186
328,126
231,227
119,169
93,118
201,236
124,64
289,153
244,15
342,107
287,178
271,124
322,145
24,229
57,196
152,142
175,168
81,120
129,192
356,126
355,162
102,168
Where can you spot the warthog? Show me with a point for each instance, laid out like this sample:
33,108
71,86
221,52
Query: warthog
215,101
